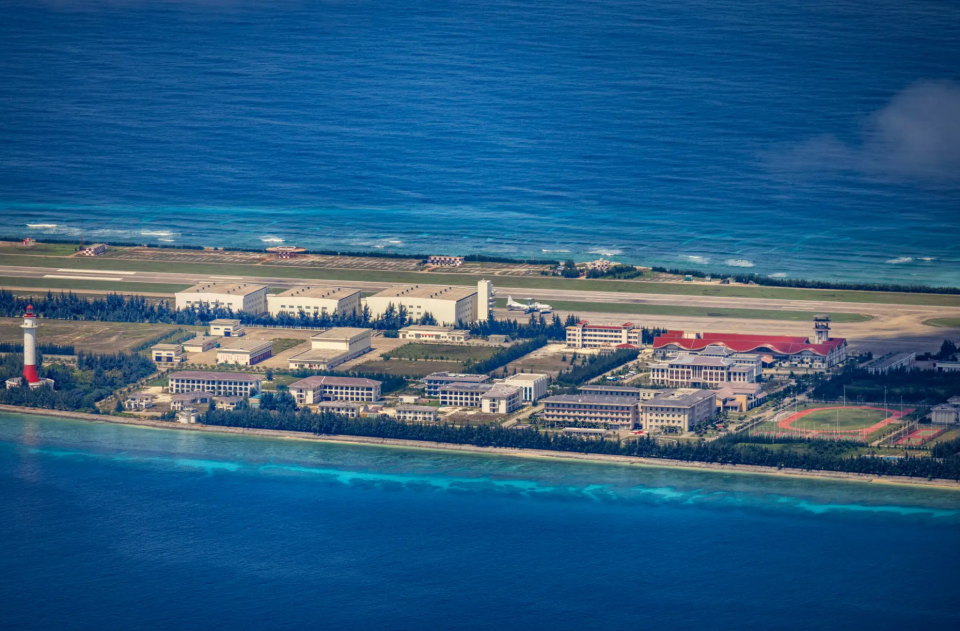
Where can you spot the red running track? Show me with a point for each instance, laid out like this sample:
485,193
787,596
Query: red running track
787,423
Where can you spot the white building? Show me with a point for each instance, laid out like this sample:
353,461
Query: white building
706,371
244,352
218,383
586,335
435,380
348,409
883,365
226,327
533,386
313,390
416,413
448,305
333,347
235,296
434,333
947,366
200,344
315,301
946,413
501,399
679,411
464,395
167,353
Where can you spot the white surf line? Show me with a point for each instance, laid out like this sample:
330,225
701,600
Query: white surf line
82,277
94,271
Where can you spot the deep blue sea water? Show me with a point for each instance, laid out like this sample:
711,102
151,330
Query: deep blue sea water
112,527
816,139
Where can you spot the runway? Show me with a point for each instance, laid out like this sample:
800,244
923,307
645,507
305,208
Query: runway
893,327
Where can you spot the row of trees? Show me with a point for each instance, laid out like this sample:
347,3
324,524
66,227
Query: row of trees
51,349
95,378
621,272
507,355
914,386
726,450
536,326
596,365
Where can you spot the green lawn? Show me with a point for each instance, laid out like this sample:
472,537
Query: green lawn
849,418
705,312
285,343
449,352
99,285
614,286
40,249
406,368
946,323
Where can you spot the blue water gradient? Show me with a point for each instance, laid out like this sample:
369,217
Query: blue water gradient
814,139
103,525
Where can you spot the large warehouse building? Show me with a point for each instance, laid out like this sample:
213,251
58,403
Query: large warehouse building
235,296
315,301
448,305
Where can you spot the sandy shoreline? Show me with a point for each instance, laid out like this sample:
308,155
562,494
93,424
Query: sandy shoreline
497,451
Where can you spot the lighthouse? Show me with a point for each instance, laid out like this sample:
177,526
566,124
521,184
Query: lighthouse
29,327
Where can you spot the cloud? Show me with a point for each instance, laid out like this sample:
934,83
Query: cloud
916,136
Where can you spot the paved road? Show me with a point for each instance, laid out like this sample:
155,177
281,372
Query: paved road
894,327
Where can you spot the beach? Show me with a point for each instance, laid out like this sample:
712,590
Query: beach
631,461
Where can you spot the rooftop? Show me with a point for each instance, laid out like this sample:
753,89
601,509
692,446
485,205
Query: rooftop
167,347
680,400
459,386
341,333
500,391
526,376
226,321
226,289
327,293
416,408
881,363
621,389
328,380
215,376
244,345
339,404
319,354
741,342
433,328
601,399
435,292
455,377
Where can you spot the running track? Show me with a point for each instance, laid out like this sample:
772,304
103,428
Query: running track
787,423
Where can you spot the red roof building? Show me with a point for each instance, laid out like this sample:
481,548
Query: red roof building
794,350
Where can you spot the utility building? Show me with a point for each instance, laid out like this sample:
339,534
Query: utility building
315,301
234,296
448,305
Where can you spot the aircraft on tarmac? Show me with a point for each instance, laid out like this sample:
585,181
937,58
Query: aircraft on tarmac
531,306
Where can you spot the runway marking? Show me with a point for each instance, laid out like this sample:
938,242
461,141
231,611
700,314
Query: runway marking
226,277
93,271
81,277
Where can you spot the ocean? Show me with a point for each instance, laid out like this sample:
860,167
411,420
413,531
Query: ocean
816,139
114,527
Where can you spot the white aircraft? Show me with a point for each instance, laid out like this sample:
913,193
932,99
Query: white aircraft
531,306
513,305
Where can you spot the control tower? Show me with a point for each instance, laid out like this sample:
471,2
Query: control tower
821,328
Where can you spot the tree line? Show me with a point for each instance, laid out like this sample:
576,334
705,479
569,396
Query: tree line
95,378
50,349
596,366
732,450
914,386
505,356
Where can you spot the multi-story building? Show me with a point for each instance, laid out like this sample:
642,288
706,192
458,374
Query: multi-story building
217,383
685,371
416,413
434,333
333,347
167,353
740,397
448,305
313,390
315,301
464,395
234,296
883,365
189,399
435,380
533,385
501,399
244,352
590,410
227,403
350,409
586,335
680,412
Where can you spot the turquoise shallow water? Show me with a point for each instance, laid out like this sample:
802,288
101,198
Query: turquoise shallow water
206,531
814,139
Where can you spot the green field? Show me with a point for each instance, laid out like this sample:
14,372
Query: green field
448,352
43,284
945,323
614,286
285,343
98,337
700,312
404,368
40,249
843,419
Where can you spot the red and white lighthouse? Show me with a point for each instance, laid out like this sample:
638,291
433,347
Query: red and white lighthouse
29,327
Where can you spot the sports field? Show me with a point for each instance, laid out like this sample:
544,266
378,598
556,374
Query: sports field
858,423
